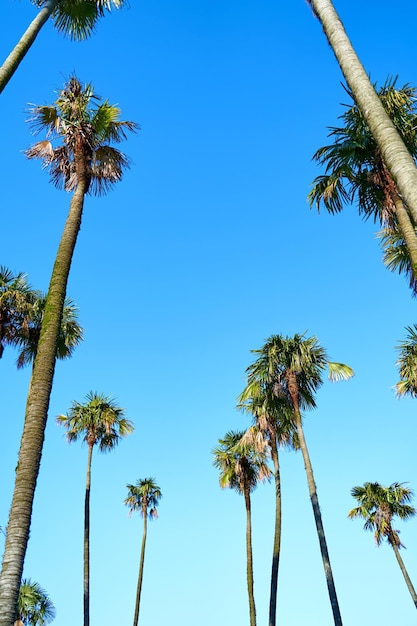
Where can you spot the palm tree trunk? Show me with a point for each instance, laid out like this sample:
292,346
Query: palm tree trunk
408,231
277,533
12,62
37,404
249,559
293,390
404,573
141,564
87,538
394,153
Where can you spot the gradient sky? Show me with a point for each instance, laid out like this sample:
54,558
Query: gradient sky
205,249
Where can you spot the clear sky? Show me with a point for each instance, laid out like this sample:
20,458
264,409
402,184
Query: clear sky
205,249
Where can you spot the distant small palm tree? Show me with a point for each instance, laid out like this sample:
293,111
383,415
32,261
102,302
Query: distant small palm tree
34,607
242,467
378,505
74,18
143,497
98,422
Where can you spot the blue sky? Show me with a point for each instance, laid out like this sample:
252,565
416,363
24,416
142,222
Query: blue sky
205,249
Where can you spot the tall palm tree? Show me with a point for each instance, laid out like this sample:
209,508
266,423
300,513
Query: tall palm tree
292,369
16,306
241,467
355,169
407,364
143,497
70,332
34,607
74,18
394,153
98,422
85,162
377,506
273,427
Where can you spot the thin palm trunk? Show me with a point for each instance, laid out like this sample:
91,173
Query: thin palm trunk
293,390
249,559
14,59
404,573
141,564
87,538
277,533
37,404
394,153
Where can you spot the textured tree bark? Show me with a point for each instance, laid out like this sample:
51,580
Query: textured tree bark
141,564
396,156
405,573
249,559
293,389
14,59
37,404
277,533
86,594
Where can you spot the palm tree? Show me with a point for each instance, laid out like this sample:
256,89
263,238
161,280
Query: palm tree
16,306
407,364
377,506
34,607
70,332
74,18
98,422
241,468
355,169
292,369
143,497
273,427
394,153
84,163
396,256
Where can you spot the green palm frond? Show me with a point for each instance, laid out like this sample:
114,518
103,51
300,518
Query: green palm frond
99,421
339,371
242,465
78,124
378,505
407,364
144,497
396,256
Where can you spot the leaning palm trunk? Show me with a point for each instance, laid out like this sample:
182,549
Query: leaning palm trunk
404,572
293,390
36,413
394,153
87,538
277,533
12,62
249,559
408,231
141,564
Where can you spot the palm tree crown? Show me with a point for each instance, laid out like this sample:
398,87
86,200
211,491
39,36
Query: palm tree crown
407,364
100,421
283,359
378,505
86,128
354,168
34,607
241,465
144,497
16,301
